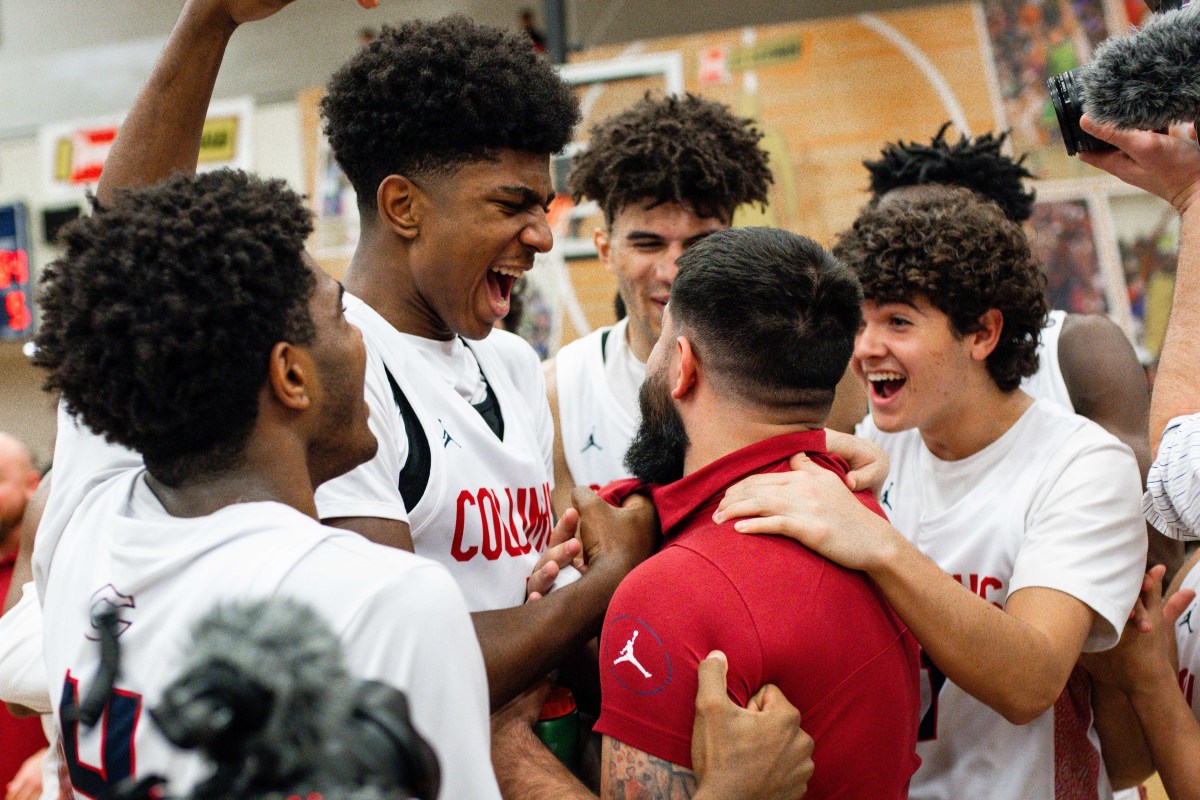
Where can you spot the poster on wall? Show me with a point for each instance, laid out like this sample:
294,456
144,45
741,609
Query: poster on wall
16,296
1149,255
1030,41
1064,242
73,153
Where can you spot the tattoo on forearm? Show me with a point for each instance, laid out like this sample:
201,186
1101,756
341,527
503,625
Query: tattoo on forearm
636,775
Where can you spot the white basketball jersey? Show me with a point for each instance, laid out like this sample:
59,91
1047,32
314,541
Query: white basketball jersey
1047,383
1187,637
400,617
597,425
484,510
1053,503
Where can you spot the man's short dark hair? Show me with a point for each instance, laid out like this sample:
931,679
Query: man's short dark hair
673,150
771,314
957,251
158,320
977,164
427,97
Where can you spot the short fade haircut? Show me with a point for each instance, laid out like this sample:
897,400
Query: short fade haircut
158,320
673,150
771,314
428,97
960,253
976,164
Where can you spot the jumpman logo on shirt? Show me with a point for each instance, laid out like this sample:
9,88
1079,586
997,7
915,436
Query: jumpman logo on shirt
883,501
1186,620
591,442
446,437
627,655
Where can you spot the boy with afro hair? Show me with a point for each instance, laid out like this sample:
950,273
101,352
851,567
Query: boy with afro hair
666,172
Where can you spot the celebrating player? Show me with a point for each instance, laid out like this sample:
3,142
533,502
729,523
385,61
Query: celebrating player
1017,542
1085,362
186,324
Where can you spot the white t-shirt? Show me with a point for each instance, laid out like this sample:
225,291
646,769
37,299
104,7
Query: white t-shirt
1053,503
598,379
484,511
1187,637
400,617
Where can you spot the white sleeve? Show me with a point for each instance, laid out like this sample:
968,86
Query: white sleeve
543,421
372,489
22,668
1172,500
415,633
83,459
1085,535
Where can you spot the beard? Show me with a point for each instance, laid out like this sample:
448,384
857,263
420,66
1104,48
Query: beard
657,451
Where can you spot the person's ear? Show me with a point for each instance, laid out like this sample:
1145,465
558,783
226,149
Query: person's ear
983,341
685,368
600,238
290,372
401,205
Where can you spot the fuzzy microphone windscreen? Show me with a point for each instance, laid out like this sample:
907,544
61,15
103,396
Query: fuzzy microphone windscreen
1150,78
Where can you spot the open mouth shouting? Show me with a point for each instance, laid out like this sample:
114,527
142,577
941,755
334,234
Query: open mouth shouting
885,385
500,281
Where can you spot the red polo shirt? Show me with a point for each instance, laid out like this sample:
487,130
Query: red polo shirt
19,738
782,614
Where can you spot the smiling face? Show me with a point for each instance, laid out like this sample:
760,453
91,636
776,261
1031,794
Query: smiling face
479,229
344,440
640,248
914,366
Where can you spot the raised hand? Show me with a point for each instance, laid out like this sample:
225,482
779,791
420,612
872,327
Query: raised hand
1165,164
563,549
625,536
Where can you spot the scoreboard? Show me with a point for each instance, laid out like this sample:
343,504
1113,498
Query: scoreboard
16,291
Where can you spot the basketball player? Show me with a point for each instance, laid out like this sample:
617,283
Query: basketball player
1085,361
666,173
186,324
445,131
1017,542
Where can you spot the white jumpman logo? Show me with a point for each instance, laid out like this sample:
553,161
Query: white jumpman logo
627,655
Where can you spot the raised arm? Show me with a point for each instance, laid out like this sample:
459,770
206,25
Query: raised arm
161,135
1168,166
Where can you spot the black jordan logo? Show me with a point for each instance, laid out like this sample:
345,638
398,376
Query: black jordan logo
591,442
883,501
447,439
1186,620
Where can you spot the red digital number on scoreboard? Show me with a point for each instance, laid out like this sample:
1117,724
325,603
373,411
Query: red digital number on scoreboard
19,317
14,268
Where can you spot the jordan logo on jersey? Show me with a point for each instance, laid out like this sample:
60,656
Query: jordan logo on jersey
447,439
108,597
883,499
591,442
628,656
1186,619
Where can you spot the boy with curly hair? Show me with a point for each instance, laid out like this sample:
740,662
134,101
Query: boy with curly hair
1015,542
667,172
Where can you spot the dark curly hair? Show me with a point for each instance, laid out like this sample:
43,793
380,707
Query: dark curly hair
428,97
959,252
977,164
674,149
158,320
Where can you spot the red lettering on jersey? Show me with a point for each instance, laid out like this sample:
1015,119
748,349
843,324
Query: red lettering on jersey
981,585
1187,684
513,535
493,528
538,523
460,524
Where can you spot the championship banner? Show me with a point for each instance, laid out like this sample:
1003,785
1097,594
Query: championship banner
73,153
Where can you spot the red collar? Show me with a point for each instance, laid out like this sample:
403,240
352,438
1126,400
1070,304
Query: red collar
679,500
